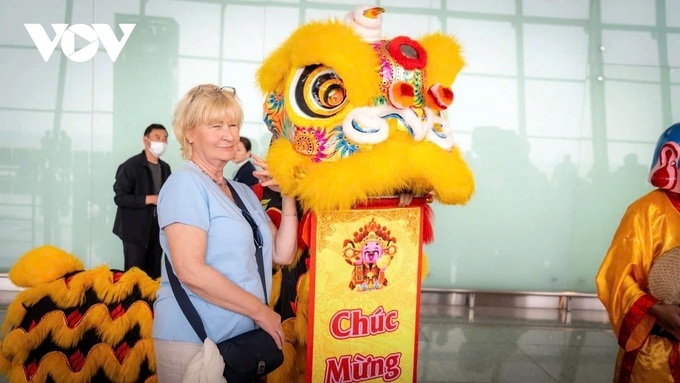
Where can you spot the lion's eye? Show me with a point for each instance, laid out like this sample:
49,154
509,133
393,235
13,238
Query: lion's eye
318,91
331,95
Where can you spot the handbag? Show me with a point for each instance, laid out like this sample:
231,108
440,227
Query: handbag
251,355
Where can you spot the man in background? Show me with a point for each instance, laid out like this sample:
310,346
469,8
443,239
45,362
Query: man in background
138,181
244,168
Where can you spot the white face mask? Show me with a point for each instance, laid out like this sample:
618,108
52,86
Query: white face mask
157,148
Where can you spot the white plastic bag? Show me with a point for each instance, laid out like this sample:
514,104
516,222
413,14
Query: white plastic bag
207,366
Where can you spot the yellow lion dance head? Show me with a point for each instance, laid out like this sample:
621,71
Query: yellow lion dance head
361,116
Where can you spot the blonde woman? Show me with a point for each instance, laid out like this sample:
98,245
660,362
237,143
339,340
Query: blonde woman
207,238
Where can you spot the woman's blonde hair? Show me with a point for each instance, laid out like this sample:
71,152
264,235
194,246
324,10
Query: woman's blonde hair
204,105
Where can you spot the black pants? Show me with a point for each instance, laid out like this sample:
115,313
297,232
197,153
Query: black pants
146,258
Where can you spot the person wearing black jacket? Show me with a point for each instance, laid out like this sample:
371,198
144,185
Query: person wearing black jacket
138,181
244,168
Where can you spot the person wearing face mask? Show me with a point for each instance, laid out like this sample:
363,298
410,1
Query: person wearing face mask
645,319
244,168
138,181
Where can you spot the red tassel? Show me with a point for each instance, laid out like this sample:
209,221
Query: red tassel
428,221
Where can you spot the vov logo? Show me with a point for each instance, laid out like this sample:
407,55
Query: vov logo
67,36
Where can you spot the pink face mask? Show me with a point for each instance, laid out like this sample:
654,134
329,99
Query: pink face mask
664,173
371,252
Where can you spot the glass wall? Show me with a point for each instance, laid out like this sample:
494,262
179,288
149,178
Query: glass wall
557,113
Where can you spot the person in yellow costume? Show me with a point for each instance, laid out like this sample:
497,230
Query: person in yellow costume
645,327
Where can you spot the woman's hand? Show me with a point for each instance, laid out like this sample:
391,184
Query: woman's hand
270,321
263,175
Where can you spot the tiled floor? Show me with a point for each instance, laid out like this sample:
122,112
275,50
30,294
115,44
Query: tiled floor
511,345
514,345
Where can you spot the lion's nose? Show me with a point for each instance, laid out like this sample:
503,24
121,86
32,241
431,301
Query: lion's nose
402,95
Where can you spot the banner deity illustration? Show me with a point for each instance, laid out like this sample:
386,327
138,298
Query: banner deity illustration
370,251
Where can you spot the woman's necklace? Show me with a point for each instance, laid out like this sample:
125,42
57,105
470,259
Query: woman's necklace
221,184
